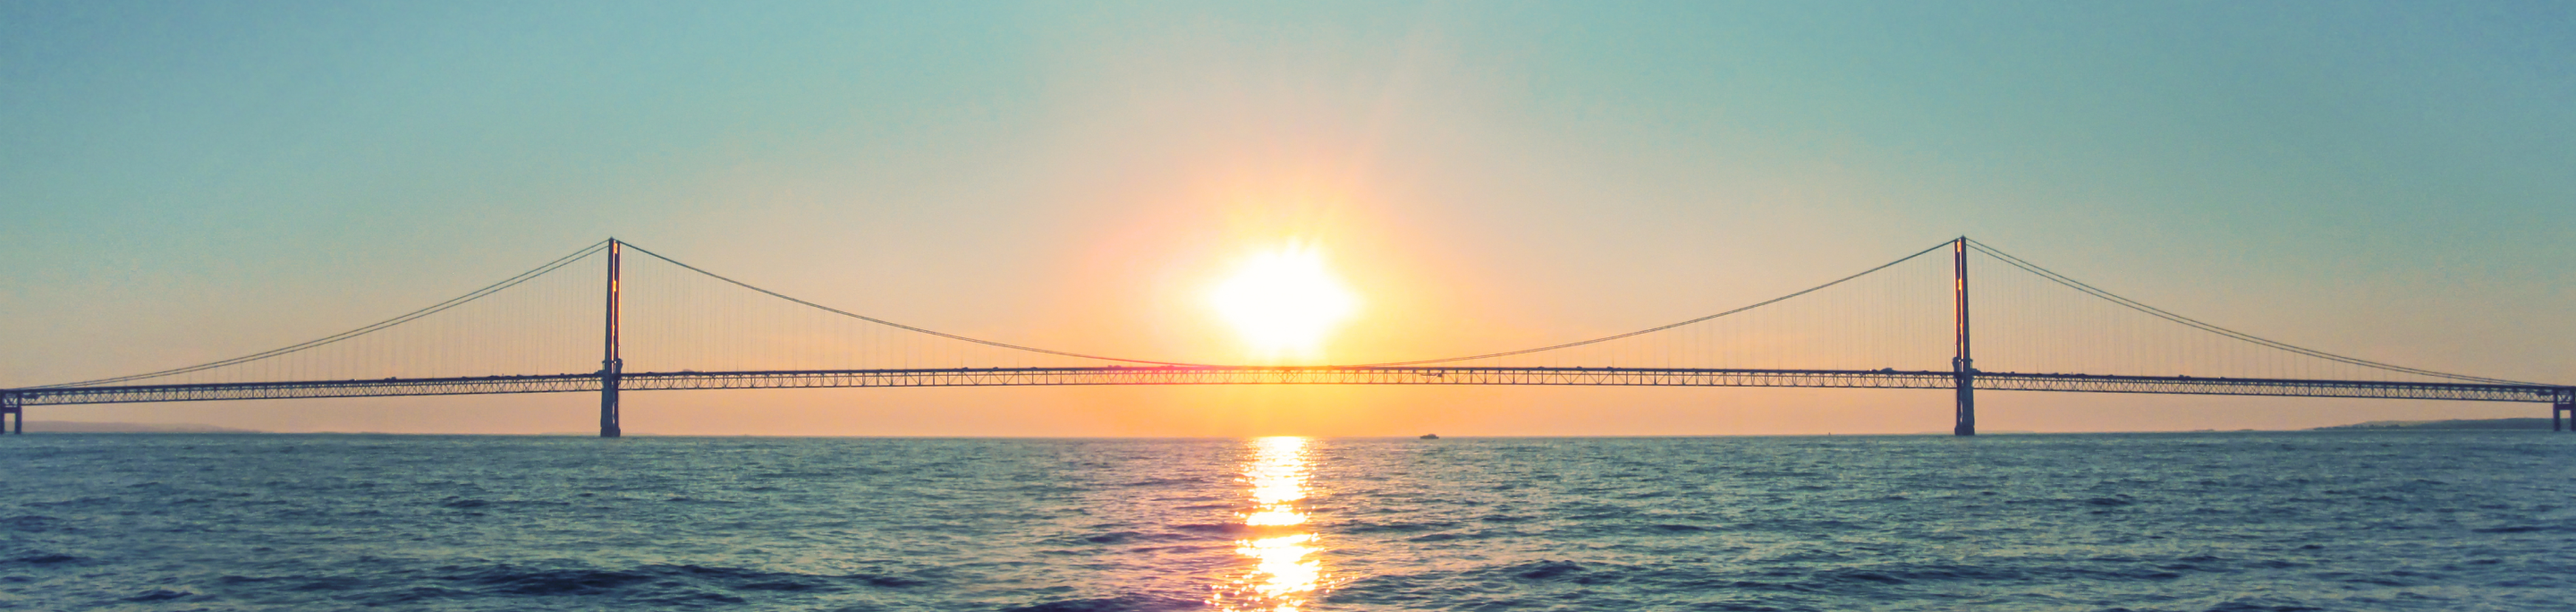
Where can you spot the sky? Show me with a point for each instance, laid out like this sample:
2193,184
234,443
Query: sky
186,182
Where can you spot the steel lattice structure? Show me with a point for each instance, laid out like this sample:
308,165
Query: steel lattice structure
1317,375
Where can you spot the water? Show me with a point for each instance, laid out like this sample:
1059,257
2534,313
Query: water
2272,521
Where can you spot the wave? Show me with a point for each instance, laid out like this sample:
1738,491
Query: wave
43,559
1122,603
659,581
32,523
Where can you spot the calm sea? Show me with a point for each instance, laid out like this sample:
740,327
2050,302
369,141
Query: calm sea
2226,521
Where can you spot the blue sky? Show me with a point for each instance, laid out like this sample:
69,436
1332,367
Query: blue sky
206,179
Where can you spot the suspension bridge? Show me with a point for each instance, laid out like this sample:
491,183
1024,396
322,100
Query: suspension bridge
1902,325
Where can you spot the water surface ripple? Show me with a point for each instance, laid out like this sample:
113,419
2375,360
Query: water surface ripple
2228,521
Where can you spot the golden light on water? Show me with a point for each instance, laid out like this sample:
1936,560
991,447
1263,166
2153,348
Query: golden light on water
1274,518
1284,572
1284,302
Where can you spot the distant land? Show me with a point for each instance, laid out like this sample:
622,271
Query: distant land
108,427
2522,423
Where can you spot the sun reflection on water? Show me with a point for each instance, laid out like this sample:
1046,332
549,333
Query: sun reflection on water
1284,570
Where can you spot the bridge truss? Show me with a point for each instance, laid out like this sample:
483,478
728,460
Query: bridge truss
1315,375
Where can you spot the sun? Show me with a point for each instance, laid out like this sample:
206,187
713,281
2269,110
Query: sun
1284,302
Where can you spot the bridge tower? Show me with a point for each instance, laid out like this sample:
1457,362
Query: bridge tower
1962,369
610,366
11,404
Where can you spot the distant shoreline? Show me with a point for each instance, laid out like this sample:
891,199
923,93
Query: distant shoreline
2514,423
114,427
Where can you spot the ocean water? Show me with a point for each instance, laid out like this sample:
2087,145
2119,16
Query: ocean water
2442,520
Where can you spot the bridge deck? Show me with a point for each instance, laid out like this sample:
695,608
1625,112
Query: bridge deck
1321,375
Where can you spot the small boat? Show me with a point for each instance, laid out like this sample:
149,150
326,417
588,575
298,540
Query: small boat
1430,436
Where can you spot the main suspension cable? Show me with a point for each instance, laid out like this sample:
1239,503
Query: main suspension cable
1662,328
900,325
380,325
2195,323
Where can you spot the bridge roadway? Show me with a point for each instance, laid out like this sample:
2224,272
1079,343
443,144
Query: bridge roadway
1299,375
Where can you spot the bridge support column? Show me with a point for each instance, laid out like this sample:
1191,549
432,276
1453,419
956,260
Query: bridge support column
2564,406
608,427
14,408
610,366
1966,425
1963,369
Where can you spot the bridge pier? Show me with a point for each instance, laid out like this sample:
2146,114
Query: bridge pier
14,408
1966,425
608,427
2564,406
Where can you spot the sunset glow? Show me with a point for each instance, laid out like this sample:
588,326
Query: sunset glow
1284,303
